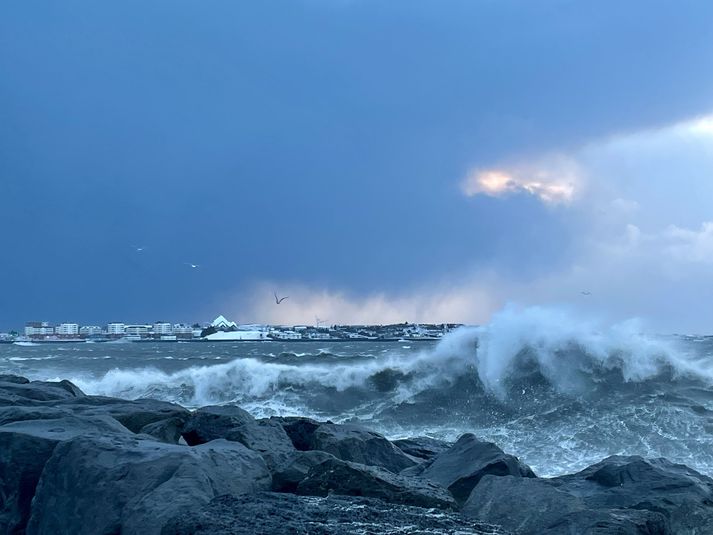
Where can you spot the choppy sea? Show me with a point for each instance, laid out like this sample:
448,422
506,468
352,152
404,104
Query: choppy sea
559,394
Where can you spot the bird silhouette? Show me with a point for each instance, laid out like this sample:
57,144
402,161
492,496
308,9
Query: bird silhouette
279,300
586,293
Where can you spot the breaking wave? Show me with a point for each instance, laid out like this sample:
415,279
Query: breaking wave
532,350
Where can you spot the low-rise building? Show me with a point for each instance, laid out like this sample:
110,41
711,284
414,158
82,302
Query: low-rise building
115,329
139,330
90,330
67,329
161,328
38,329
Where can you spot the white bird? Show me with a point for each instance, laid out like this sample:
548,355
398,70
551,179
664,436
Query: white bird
139,249
194,266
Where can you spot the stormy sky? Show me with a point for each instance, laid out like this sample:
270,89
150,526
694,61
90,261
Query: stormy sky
375,161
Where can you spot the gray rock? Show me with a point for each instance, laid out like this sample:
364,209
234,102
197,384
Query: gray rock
25,448
461,467
300,430
234,424
148,416
422,448
16,392
17,379
354,443
681,494
534,506
351,479
131,485
286,514
288,475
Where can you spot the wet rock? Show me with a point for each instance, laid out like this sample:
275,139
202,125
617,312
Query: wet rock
288,475
17,379
534,506
461,467
300,430
234,424
286,514
422,448
25,447
352,479
682,495
131,485
17,392
354,443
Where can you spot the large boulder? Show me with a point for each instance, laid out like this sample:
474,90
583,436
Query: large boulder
14,391
160,419
132,485
354,443
344,478
534,506
299,429
288,475
422,448
681,494
287,514
233,423
25,447
461,467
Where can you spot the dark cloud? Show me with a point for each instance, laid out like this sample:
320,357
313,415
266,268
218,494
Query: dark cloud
320,141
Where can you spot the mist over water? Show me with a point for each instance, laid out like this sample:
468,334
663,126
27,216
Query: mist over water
559,392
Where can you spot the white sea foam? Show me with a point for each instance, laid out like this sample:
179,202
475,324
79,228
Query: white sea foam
565,350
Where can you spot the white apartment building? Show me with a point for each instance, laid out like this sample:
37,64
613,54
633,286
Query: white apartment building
90,330
67,329
162,328
137,330
38,328
116,329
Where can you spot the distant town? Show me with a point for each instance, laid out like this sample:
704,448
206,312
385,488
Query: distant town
220,330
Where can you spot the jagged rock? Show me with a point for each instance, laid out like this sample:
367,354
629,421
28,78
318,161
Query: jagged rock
299,429
17,392
681,494
422,448
17,379
19,413
352,479
286,514
354,443
211,422
131,485
233,423
534,506
627,495
461,467
286,477
25,448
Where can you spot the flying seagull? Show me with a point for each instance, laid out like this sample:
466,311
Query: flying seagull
139,249
279,300
194,266
586,293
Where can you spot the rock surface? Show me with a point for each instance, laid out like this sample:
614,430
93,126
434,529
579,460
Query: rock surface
356,444
132,485
286,514
351,479
461,467
72,463
626,495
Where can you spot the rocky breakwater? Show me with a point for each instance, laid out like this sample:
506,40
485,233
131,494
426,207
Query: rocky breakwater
77,464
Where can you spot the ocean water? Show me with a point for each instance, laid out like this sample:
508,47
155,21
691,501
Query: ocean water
558,393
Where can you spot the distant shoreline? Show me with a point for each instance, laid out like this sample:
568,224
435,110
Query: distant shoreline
50,342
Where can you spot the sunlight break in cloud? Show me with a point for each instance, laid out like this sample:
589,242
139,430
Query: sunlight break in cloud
552,180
